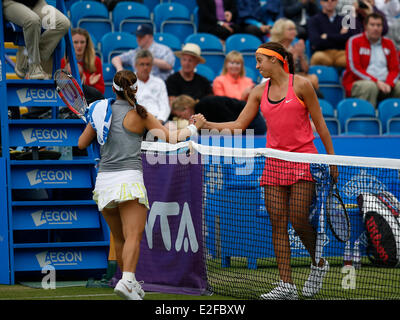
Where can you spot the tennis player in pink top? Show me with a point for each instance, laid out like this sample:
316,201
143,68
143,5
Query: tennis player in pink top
286,101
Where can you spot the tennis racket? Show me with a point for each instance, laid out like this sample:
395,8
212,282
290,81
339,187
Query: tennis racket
71,93
337,216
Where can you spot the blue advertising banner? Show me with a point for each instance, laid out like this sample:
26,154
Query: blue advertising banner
55,217
50,176
4,243
171,257
46,133
74,258
39,93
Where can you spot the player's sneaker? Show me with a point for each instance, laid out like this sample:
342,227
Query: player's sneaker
127,290
315,280
283,291
138,288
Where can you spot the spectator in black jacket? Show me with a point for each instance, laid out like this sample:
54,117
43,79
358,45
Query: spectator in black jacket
328,36
218,20
299,12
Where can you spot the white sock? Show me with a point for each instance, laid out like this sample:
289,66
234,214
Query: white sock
130,276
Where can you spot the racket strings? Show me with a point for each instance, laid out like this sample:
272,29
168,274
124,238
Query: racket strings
70,92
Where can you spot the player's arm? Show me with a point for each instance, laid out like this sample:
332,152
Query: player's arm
86,137
247,115
172,136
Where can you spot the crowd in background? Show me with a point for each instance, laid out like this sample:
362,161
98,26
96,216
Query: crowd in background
331,28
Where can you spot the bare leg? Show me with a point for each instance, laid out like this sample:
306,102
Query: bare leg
113,219
276,203
300,201
133,217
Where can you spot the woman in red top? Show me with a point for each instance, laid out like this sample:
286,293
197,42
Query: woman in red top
92,74
287,101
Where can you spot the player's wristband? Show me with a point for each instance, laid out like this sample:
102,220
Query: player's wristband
193,129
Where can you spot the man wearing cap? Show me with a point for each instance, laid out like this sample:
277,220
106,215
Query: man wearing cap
163,57
186,80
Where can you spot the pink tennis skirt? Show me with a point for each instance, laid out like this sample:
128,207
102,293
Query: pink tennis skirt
279,172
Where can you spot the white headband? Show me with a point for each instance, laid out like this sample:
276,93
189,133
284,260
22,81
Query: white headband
118,88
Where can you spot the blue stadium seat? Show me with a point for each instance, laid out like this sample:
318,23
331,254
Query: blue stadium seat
151,4
174,18
393,126
331,121
388,110
357,115
329,83
246,44
92,16
325,74
195,16
253,75
127,16
108,75
169,40
115,43
211,49
205,71
190,4
69,3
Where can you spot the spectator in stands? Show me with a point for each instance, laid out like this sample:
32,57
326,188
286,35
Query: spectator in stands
361,10
391,10
215,108
327,36
233,82
152,91
163,57
251,18
284,31
299,12
218,17
110,4
344,6
34,61
86,57
372,71
186,80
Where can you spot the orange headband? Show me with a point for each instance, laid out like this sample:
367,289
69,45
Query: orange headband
275,54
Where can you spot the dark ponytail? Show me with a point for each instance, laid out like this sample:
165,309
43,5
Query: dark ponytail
277,47
125,79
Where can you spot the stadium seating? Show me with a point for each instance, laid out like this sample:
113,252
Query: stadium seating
329,83
254,75
151,4
108,75
92,16
174,18
169,40
389,114
114,43
358,116
211,49
205,71
246,44
190,4
127,16
328,112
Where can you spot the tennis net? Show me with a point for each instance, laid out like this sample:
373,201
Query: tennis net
257,227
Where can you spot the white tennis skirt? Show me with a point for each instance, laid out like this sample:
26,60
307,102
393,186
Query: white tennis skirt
119,186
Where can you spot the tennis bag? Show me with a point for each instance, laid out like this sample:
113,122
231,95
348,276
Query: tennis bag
380,213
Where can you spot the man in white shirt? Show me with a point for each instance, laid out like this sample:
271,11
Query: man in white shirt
152,91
